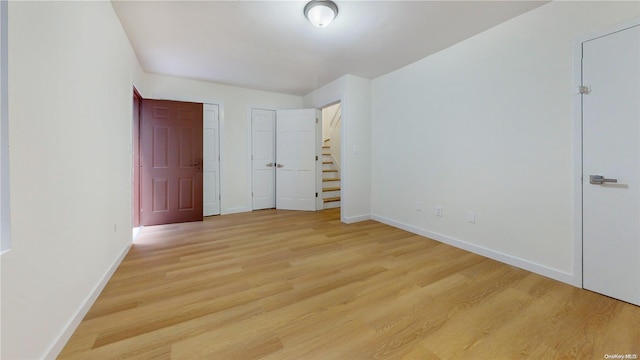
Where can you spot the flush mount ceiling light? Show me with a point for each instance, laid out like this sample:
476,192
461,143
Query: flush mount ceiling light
321,12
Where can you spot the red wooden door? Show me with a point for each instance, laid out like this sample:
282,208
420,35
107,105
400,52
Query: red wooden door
137,99
171,156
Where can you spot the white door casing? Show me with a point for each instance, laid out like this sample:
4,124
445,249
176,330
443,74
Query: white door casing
296,159
611,148
263,155
211,160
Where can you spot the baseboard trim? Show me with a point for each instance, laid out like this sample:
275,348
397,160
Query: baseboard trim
73,323
480,250
355,219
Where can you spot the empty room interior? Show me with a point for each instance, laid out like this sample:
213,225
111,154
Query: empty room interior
320,179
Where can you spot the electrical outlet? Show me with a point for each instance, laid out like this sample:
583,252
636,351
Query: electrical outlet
471,217
418,206
439,211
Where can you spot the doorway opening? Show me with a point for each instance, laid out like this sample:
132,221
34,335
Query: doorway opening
196,158
331,155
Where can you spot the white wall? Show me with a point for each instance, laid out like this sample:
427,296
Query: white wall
71,72
355,95
235,115
5,218
327,114
485,126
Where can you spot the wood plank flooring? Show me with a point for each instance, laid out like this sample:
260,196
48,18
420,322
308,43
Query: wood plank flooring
301,285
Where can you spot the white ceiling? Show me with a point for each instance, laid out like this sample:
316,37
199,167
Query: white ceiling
269,45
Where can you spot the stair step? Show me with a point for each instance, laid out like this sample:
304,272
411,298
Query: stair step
327,162
329,170
330,179
331,199
333,188
326,147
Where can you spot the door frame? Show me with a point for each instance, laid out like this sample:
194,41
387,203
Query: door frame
218,172
135,150
577,278
342,152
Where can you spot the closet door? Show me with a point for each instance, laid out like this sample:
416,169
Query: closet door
263,158
296,159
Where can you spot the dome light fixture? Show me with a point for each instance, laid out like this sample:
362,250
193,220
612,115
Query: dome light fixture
321,12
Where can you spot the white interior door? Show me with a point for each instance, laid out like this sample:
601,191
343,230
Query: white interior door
211,161
263,158
296,159
611,149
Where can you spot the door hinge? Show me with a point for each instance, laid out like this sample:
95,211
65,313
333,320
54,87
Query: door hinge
585,90
252,194
316,120
316,194
316,157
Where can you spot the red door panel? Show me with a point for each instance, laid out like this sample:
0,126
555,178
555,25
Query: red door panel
171,156
136,157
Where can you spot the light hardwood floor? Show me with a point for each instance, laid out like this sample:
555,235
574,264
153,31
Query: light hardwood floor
299,285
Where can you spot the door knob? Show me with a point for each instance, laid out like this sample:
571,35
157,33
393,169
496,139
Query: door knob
197,164
270,165
279,165
599,180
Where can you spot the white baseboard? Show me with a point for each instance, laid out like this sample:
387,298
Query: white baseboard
73,323
354,219
480,250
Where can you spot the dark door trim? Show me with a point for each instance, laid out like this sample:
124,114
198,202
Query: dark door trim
135,145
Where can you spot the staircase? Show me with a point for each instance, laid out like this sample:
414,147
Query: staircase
330,178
